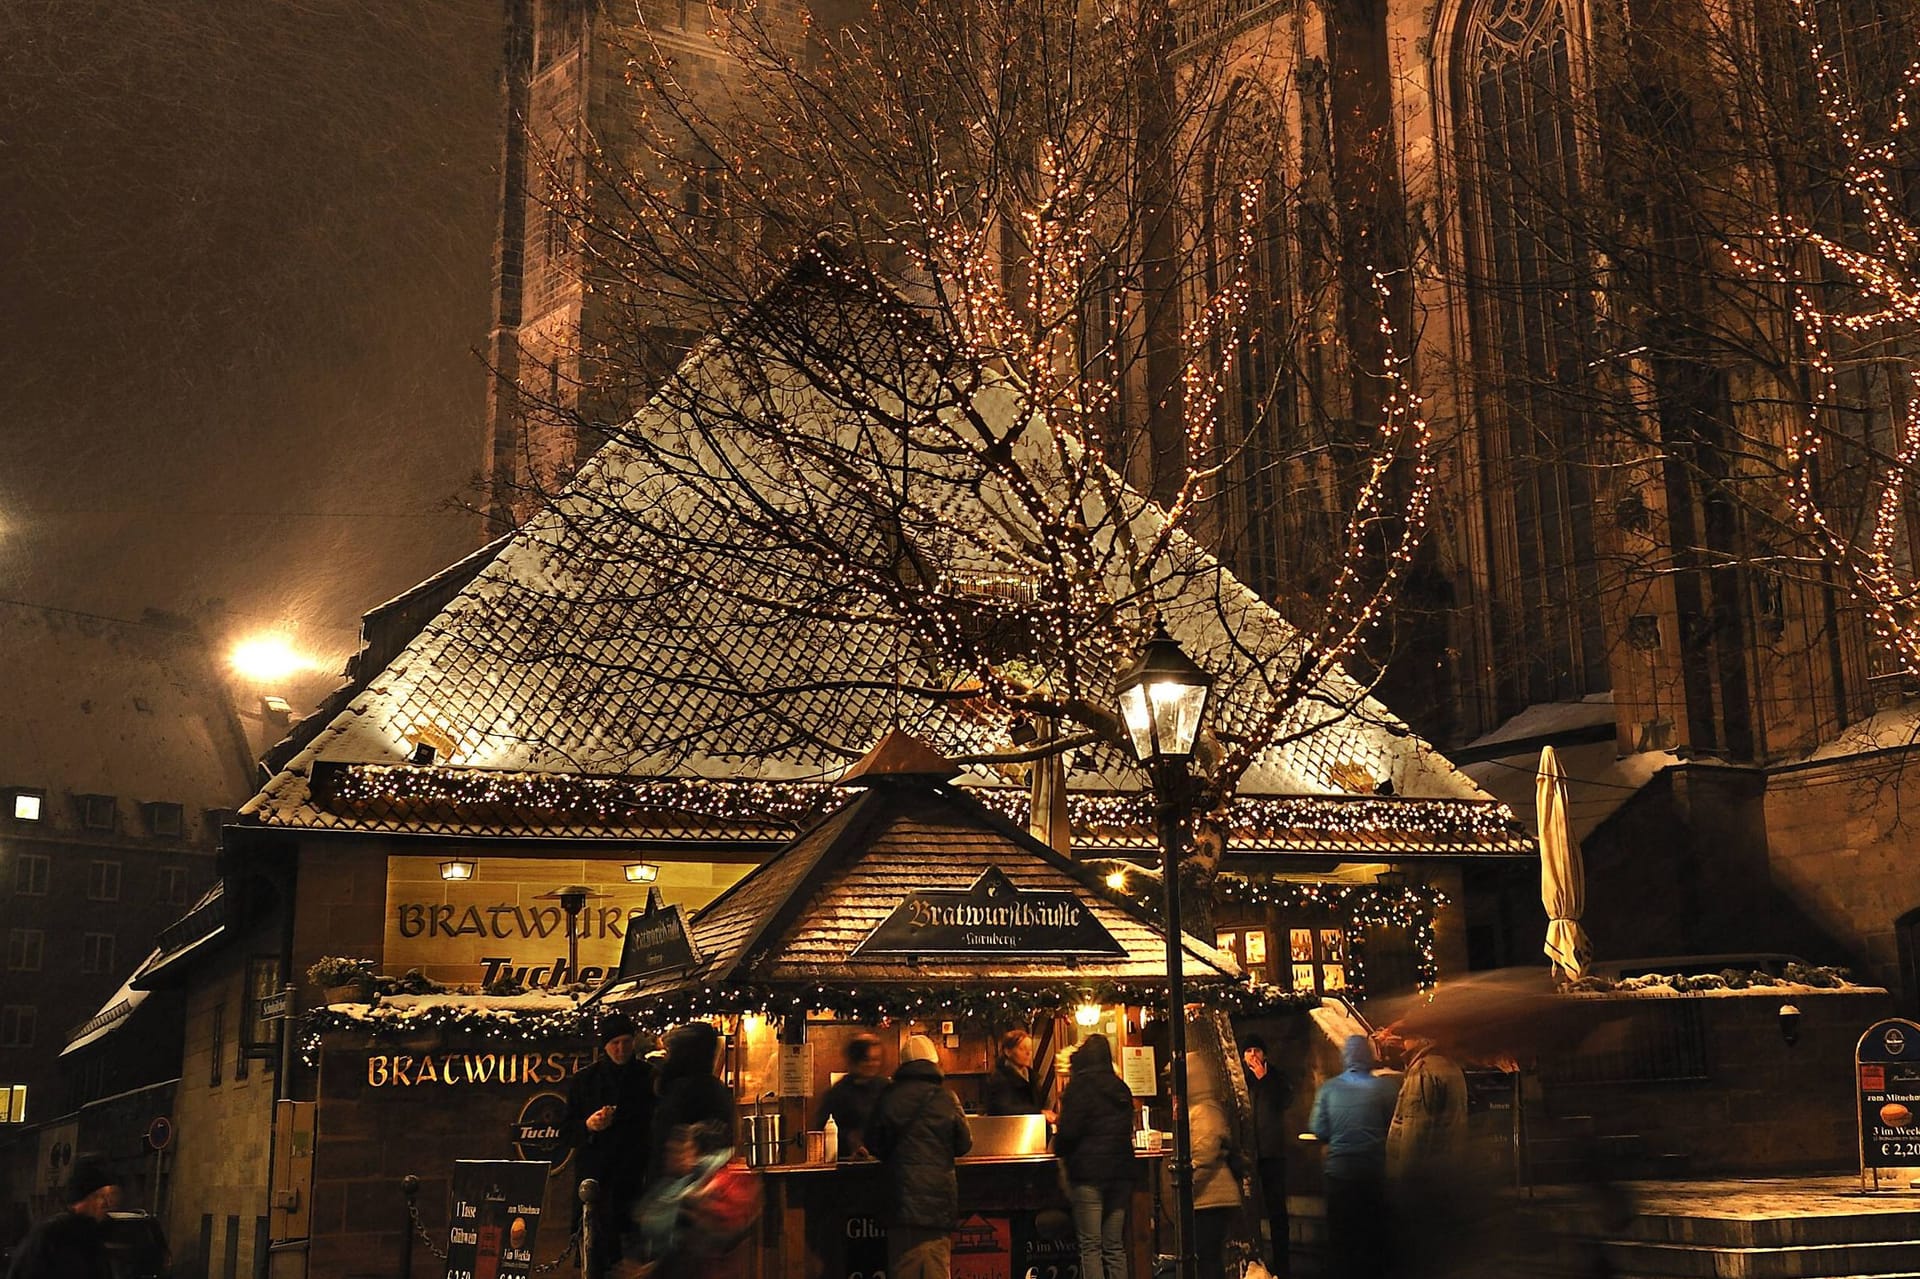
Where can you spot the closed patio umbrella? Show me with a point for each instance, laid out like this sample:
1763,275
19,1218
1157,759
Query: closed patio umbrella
1563,878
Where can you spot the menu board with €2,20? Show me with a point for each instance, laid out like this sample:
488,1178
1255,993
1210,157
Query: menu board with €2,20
1887,1070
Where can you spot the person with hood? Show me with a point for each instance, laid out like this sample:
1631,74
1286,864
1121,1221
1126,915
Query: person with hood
689,1092
72,1244
1270,1095
1351,1114
1009,1089
608,1124
917,1131
1216,1186
1095,1145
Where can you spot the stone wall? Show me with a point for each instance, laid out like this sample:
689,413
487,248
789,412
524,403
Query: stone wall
1764,1107
217,1201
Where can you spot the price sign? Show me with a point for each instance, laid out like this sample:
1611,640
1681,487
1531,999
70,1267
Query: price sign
1887,1072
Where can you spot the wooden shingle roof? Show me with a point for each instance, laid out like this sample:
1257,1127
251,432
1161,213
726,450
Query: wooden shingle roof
792,926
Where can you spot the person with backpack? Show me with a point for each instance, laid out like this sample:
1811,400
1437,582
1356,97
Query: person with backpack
917,1131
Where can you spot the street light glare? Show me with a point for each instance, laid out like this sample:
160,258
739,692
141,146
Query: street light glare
267,658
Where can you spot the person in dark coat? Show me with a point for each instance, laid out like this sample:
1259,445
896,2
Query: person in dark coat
609,1123
72,1244
1095,1143
1270,1094
689,1092
1009,1089
849,1102
918,1130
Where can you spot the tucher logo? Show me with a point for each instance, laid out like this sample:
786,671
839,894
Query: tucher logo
539,1134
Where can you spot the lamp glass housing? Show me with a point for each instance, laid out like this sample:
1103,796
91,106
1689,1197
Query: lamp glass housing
457,868
642,872
1163,698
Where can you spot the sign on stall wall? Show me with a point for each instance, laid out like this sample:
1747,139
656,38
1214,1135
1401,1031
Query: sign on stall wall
502,923
495,1218
992,918
796,1070
1136,1068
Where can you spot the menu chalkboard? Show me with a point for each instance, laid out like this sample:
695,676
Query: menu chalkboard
1887,1071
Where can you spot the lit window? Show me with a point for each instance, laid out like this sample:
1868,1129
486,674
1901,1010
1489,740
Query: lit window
27,805
17,1025
1256,946
13,1103
30,874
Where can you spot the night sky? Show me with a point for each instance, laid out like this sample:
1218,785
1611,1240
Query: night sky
245,250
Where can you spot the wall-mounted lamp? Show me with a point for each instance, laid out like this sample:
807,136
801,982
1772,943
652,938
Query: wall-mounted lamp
457,867
1790,1024
642,872
1117,880
422,754
1087,1015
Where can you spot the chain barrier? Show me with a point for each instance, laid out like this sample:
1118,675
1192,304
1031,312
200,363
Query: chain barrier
440,1254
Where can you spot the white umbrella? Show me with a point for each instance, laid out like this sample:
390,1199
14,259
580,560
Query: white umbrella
1563,877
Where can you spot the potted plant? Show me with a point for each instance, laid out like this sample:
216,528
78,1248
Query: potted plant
344,980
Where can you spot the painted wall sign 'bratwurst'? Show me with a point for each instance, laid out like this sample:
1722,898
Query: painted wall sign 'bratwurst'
990,919
402,1070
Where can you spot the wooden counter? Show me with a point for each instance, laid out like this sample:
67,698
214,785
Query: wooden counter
825,1221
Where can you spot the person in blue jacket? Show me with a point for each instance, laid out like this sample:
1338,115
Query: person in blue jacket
1351,1115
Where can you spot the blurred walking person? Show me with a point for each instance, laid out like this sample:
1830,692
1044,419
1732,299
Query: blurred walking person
1352,1113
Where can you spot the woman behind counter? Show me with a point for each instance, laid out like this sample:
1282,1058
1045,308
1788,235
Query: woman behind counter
1095,1143
1009,1089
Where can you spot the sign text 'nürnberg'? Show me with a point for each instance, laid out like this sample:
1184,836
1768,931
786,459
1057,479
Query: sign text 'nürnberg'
992,918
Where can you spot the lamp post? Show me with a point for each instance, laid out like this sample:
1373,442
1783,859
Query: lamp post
573,898
1163,696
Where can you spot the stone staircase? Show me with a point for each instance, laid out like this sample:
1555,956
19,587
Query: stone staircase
1788,1228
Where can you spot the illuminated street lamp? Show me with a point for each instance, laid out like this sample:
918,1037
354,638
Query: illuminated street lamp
1163,698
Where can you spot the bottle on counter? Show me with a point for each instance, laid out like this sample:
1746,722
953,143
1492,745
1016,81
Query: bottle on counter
833,1141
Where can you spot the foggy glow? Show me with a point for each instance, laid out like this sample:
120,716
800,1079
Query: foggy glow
267,658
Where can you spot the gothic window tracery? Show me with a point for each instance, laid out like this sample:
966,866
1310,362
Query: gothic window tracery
1268,496
1532,329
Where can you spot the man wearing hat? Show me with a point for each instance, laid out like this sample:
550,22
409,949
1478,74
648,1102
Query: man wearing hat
72,1244
1270,1094
917,1131
609,1114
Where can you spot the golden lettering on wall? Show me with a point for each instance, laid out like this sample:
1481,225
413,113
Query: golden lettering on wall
403,1070
502,924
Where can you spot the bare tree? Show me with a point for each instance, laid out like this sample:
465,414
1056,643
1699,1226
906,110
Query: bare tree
992,327
1642,393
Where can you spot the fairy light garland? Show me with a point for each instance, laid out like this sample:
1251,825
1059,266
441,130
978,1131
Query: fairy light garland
787,806
872,1004
1357,907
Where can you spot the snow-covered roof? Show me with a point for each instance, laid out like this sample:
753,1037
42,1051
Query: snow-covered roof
132,709
1599,778
570,667
113,1014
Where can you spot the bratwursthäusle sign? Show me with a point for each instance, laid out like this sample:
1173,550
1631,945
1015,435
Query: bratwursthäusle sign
990,919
